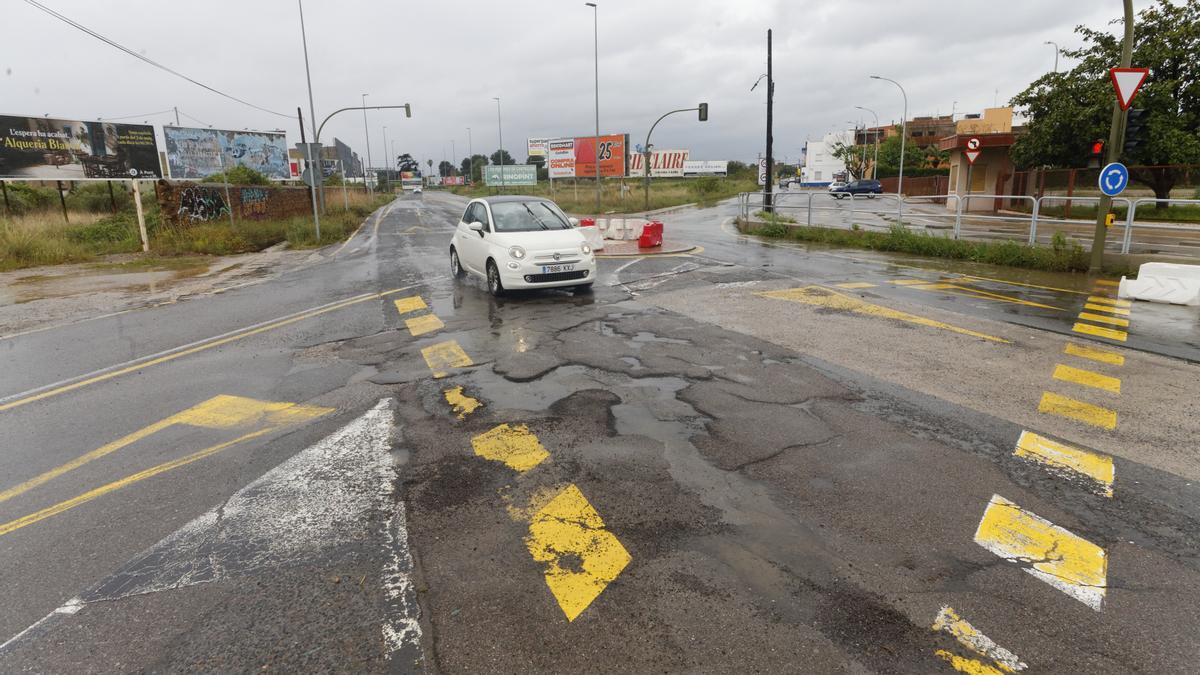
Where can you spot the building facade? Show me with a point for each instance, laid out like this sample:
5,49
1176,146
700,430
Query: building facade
820,166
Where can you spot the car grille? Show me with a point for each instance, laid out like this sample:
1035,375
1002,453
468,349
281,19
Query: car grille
556,276
563,259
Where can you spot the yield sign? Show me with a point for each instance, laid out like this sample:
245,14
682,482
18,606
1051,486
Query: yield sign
1127,81
972,155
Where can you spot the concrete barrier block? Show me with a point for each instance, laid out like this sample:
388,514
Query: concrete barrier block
1163,282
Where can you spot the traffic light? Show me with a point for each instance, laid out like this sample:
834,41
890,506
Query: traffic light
1136,130
703,112
1097,148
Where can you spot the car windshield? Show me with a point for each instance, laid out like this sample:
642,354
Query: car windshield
528,216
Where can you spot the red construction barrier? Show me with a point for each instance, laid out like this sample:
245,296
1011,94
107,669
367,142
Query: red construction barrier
652,235
587,222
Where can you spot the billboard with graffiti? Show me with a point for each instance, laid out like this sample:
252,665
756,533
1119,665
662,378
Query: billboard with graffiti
196,153
40,148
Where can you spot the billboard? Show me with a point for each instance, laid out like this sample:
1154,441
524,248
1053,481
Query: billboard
39,148
562,158
514,174
612,155
537,146
704,167
196,153
666,163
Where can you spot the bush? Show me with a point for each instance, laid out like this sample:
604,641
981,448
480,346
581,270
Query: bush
1063,255
94,197
238,175
116,234
706,186
24,198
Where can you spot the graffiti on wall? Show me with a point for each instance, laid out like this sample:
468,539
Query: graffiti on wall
201,203
254,202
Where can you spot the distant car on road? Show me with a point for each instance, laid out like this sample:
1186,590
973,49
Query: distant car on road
521,242
837,185
417,190
870,188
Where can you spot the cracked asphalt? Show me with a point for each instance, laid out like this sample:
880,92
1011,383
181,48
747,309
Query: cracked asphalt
797,487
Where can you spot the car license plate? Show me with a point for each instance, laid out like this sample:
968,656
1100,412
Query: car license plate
555,269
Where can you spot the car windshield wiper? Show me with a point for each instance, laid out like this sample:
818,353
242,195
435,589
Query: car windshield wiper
535,218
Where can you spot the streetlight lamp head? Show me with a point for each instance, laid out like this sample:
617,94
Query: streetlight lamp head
590,4
876,77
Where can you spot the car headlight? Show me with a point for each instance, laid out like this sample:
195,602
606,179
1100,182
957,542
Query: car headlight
516,252
585,247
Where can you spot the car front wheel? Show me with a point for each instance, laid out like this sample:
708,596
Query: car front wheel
455,265
495,286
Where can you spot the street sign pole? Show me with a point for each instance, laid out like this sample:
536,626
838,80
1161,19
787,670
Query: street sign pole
1116,140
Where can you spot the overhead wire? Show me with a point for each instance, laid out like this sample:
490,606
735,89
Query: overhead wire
133,117
113,43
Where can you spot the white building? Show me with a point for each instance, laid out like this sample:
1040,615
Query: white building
820,166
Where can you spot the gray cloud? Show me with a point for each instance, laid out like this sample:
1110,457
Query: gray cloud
450,58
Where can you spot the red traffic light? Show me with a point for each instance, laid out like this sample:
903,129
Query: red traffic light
1098,148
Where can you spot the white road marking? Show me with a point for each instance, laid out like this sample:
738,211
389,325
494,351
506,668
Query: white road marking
969,636
319,504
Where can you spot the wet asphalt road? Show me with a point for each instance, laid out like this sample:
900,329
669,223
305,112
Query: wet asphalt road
789,487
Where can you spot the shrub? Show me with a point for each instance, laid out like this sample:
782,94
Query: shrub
24,198
93,197
238,175
705,186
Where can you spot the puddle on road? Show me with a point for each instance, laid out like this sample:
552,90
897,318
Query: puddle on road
18,288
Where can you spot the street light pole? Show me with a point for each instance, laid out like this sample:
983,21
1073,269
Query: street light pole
770,135
385,157
1116,140
596,54
500,133
367,133
1056,50
903,134
875,133
312,111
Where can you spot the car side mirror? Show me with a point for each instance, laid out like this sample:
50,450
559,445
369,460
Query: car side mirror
574,222
475,226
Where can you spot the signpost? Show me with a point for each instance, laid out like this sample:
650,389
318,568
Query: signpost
762,170
971,153
1114,178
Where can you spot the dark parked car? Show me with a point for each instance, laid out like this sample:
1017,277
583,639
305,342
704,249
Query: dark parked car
870,188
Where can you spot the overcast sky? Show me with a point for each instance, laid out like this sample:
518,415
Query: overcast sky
448,59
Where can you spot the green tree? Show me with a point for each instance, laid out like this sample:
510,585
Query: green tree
854,159
508,159
239,175
1068,111
477,164
445,168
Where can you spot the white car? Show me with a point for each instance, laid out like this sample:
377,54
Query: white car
521,242
837,185
417,190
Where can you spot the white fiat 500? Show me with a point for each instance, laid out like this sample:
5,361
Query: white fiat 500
521,242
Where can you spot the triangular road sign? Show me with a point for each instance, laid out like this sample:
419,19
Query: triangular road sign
972,155
1127,81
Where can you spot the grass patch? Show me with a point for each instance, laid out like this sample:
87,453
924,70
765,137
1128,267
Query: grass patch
579,196
43,238
1063,255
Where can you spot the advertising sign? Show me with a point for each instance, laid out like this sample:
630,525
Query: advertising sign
704,167
612,154
39,148
196,153
514,174
666,163
538,146
452,180
562,158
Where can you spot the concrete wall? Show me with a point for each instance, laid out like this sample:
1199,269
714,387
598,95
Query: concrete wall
183,204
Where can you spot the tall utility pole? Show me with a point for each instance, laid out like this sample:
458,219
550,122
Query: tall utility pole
176,115
596,49
1116,140
385,156
367,133
471,153
500,133
770,136
312,111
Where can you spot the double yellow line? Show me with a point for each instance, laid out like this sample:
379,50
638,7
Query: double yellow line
188,350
